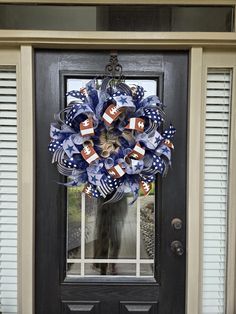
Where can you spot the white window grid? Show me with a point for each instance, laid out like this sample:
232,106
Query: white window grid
83,260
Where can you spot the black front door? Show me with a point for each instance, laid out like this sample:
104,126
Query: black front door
122,259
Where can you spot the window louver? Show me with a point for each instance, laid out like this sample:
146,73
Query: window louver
217,126
8,192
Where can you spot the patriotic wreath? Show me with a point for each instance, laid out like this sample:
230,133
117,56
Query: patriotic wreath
110,139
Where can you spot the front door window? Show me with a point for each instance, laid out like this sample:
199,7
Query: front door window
111,240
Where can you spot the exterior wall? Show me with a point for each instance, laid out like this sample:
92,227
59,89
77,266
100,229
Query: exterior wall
204,52
199,61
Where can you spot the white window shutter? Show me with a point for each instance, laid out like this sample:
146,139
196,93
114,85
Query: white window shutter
216,161
8,191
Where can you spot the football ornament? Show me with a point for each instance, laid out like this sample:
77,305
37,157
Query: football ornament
138,152
89,154
136,124
116,171
110,115
86,127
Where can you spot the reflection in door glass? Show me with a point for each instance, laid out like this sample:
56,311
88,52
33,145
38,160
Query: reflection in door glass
147,226
74,222
146,269
112,231
112,239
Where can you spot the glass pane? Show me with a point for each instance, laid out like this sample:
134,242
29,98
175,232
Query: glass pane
74,223
168,18
147,225
202,19
146,270
118,18
112,239
111,230
110,269
73,269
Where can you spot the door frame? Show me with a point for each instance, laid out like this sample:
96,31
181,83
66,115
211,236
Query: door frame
194,193
190,259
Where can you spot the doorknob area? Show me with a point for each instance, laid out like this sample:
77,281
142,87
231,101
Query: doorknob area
177,248
176,223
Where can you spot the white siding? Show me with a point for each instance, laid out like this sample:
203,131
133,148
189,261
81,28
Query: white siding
8,192
217,126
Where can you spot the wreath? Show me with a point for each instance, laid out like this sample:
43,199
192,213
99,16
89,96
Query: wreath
110,139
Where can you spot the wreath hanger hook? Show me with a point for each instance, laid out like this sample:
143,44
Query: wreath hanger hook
114,69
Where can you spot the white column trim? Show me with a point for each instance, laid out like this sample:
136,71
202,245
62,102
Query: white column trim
193,182
227,59
26,181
